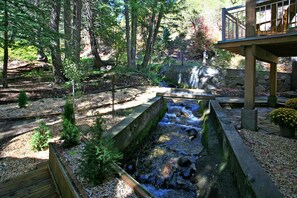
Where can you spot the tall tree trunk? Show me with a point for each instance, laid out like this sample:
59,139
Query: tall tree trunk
149,40
93,41
67,28
128,40
5,61
133,33
40,50
55,44
76,30
156,30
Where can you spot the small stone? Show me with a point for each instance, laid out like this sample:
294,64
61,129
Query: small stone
160,181
238,126
192,132
184,162
130,168
145,178
188,172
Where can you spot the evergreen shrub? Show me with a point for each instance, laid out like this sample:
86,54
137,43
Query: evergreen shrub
22,99
40,139
98,155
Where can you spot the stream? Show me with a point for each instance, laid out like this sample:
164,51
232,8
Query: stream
166,164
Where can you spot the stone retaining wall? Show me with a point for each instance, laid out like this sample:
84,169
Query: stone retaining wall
235,78
215,78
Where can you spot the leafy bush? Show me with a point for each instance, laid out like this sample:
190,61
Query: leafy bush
22,99
68,113
284,116
70,134
292,103
97,156
20,51
39,140
97,129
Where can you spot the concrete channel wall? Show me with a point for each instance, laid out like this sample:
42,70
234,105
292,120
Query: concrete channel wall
252,180
132,131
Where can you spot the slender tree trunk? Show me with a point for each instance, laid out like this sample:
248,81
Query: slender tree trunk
149,40
76,30
94,44
67,28
5,61
55,45
128,40
40,50
133,33
156,30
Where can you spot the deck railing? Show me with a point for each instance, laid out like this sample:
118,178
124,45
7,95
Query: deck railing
272,17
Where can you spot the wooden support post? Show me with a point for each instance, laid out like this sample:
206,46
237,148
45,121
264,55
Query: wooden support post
272,99
250,78
273,18
294,73
250,30
249,115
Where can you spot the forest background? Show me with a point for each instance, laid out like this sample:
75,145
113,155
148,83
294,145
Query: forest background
79,37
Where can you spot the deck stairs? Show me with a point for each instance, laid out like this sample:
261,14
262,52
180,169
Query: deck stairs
37,183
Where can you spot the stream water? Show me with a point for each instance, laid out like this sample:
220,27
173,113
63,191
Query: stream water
166,164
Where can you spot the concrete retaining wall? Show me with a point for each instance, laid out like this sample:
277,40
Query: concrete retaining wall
252,180
133,130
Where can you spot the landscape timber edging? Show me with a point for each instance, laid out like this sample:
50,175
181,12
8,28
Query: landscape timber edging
132,131
252,180
63,177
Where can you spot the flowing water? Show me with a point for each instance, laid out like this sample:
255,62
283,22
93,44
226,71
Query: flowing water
166,164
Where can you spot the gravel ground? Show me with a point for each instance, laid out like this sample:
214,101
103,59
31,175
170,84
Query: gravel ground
278,156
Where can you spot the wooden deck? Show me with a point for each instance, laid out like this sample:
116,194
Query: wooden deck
284,45
37,183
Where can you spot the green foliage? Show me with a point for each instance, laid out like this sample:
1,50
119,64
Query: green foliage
20,52
98,129
25,20
284,116
22,99
291,103
223,58
70,134
40,74
68,113
73,71
98,155
39,140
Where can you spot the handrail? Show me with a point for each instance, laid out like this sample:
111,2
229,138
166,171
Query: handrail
272,17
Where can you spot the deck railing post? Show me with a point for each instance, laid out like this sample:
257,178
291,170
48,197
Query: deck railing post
236,28
223,24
